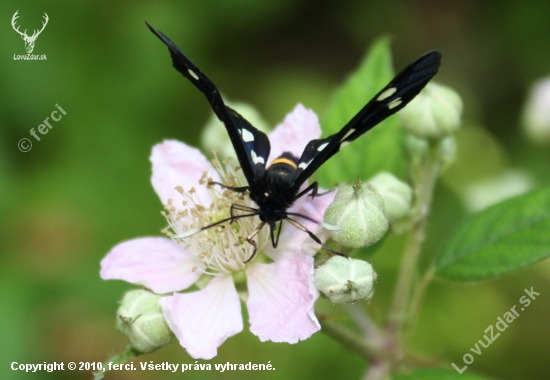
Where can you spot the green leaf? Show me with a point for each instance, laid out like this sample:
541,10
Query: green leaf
437,374
379,149
506,237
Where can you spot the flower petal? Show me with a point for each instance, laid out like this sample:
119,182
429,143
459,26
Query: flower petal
176,164
203,320
299,127
315,207
290,242
157,263
281,300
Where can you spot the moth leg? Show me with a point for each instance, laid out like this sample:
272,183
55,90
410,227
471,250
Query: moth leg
314,187
236,206
321,194
252,242
275,241
313,236
237,189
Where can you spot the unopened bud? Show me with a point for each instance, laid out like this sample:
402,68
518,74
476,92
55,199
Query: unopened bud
345,280
434,113
140,318
397,195
416,146
358,212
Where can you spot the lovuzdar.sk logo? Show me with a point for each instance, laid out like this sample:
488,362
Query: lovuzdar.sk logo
29,40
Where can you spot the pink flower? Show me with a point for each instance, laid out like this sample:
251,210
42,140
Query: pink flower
281,290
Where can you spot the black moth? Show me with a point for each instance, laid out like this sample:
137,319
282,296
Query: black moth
275,188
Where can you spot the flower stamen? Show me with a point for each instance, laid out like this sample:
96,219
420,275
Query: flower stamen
223,249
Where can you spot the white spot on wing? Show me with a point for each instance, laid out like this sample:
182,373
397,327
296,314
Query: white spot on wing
192,73
347,134
395,103
247,135
345,143
386,94
256,159
304,165
322,146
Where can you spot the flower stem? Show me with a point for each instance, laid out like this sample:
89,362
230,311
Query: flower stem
424,181
128,354
420,291
363,321
385,349
366,348
378,370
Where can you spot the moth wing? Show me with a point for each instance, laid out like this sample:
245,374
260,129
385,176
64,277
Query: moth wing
392,98
251,145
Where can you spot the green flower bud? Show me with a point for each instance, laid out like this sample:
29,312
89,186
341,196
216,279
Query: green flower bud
416,146
536,114
140,318
434,113
419,149
397,195
215,137
345,280
358,212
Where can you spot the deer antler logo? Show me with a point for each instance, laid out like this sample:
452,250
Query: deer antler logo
29,40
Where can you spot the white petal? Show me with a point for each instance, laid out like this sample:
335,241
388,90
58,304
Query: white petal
203,320
157,263
281,300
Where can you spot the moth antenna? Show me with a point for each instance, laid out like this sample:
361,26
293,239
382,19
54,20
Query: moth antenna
237,189
305,217
325,225
313,236
194,231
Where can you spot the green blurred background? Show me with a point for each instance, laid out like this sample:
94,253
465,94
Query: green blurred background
85,186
